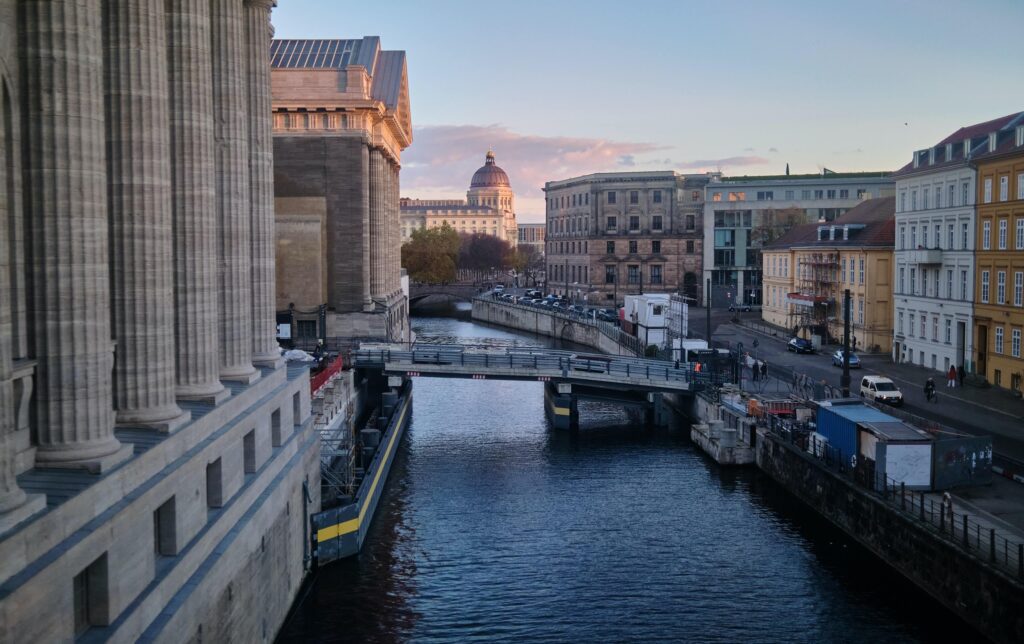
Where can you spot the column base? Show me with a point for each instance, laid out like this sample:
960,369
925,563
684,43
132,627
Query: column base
163,425
244,377
209,395
97,465
269,360
33,503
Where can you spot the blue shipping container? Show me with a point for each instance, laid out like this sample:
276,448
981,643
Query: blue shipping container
839,425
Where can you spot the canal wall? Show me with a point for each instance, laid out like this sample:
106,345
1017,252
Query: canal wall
982,595
608,339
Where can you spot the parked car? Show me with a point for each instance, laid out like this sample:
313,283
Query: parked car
800,345
532,292
837,359
741,307
881,389
574,308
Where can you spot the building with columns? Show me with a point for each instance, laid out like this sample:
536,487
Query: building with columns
341,119
489,207
153,445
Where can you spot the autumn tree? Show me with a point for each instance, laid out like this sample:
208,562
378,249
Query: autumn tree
430,256
480,252
529,262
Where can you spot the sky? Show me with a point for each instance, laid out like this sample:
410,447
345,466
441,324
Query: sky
561,88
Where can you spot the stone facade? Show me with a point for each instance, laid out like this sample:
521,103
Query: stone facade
341,120
614,234
489,207
137,488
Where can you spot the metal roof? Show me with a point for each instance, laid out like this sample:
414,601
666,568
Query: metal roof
898,431
861,413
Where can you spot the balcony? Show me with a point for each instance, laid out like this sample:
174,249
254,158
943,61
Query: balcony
925,256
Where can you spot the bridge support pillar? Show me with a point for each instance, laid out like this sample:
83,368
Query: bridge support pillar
657,412
561,406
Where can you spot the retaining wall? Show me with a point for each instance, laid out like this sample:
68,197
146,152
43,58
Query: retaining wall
540,322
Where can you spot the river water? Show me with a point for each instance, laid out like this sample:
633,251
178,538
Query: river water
495,527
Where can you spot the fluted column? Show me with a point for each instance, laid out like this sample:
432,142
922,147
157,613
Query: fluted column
396,231
378,225
231,133
261,180
61,51
194,204
12,498
139,194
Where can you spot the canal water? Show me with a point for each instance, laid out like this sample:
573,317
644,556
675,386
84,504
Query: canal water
495,527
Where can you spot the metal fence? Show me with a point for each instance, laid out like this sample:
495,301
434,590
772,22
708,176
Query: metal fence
983,541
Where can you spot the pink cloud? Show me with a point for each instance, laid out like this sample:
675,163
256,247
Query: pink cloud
443,158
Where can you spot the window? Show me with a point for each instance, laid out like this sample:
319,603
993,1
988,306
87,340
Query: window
656,246
949,284
902,282
790,195
655,274
765,195
831,194
1001,287
949,331
165,541
611,197
963,285
964,232
609,274
910,327
952,194
91,596
924,282
1002,234
275,428
634,222
656,222
860,309
903,237
657,196
844,194
1004,187
924,326
903,202
633,273
984,286
853,267
1020,234
1018,288
632,247
634,197
689,246
819,194
214,485
949,237
988,190
899,322
965,194
612,222
1020,185
986,235
913,199
842,272
924,235
737,196
689,222
938,197
999,340
716,196
860,272
913,236
1015,343
924,198
935,328
913,281
725,238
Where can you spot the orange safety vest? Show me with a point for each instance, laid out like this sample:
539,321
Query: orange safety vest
696,369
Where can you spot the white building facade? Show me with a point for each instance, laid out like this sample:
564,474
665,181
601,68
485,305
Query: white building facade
933,307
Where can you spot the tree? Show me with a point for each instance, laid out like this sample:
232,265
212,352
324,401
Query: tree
528,261
480,252
431,254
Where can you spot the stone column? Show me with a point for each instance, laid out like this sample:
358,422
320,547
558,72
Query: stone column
193,198
378,225
61,51
231,134
396,231
139,193
15,505
261,180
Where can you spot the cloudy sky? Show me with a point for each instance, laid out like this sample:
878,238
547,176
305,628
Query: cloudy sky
566,87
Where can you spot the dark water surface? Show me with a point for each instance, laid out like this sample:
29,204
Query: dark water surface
495,527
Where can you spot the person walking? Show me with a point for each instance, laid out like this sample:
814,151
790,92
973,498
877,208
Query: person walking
951,377
764,370
929,391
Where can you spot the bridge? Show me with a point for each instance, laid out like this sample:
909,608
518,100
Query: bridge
568,376
419,292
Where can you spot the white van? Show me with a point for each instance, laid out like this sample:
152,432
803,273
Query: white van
881,389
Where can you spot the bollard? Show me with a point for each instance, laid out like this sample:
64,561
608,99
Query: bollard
942,516
903,495
967,543
992,544
922,506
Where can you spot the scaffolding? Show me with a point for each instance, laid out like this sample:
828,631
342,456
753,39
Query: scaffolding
813,304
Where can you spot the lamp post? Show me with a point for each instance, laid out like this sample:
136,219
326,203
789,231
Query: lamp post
844,381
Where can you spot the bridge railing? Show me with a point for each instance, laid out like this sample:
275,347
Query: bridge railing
555,363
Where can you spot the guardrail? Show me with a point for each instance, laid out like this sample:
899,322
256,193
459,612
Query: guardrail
318,380
984,542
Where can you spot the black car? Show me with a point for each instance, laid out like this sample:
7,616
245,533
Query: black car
800,345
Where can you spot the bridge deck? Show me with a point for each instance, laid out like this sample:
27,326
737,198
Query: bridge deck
531,364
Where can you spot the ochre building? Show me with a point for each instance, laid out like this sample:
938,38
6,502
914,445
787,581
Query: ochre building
807,270
341,119
153,446
999,259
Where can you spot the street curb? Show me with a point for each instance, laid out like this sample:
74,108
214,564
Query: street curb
998,469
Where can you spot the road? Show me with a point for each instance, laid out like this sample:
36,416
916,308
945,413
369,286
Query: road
1006,429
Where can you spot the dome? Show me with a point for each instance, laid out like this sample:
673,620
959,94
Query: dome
489,175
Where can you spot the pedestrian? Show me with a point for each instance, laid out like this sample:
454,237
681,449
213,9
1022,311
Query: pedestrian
960,374
755,370
929,391
951,377
764,370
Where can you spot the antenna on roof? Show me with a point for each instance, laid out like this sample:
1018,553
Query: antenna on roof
787,169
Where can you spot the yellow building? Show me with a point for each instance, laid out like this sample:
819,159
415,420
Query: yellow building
999,259
808,268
